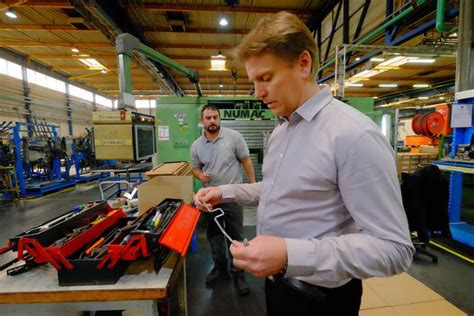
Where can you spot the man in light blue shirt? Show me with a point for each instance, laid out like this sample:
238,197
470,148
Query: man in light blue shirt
330,211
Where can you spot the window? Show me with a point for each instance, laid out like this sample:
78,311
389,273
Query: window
10,69
145,104
14,70
3,66
103,101
46,81
81,93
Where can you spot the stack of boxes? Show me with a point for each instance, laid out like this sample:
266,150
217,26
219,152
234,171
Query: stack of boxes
410,162
172,180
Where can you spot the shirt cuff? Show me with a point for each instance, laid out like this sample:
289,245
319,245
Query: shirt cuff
300,257
228,194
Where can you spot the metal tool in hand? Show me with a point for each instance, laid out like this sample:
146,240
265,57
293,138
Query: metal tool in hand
216,220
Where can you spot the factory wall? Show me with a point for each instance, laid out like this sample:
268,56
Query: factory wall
46,105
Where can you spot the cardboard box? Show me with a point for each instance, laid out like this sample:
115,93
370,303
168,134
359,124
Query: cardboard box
179,168
159,188
429,150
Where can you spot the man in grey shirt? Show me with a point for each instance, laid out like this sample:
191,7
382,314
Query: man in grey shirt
330,211
216,158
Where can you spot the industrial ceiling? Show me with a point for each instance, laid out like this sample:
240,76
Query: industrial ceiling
189,33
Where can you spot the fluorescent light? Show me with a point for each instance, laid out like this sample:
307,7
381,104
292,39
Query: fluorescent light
11,14
423,98
421,85
416,60
92,63
394,62
221,85
223,22
366,73
388,85
218,62
377,59
103,71
442,98
74,50
350,84
358,58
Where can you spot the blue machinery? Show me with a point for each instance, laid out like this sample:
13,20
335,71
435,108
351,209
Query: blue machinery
83,156
34,181
31,165
461,231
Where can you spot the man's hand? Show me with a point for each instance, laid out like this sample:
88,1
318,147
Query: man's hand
207,197
263,257
205,177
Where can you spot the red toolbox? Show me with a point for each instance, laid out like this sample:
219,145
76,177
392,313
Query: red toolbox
165,227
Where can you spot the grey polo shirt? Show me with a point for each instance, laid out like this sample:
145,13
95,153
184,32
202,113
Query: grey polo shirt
221,157
330,189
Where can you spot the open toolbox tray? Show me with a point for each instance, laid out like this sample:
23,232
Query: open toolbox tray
144,239
57,255
101,253
85,263
56,240
52,230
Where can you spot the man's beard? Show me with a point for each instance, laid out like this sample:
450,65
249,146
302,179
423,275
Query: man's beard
213,129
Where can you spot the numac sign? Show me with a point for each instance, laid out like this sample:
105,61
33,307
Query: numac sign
243,110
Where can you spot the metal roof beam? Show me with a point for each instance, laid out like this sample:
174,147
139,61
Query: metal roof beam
80,45
42,27
216,8
39,4
200,30
194,46
65,56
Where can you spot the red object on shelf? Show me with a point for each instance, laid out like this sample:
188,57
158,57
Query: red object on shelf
430,124
178,234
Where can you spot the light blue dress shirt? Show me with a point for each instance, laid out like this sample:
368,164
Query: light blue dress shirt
330,189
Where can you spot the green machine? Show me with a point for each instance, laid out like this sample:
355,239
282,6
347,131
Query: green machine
178,120
386,119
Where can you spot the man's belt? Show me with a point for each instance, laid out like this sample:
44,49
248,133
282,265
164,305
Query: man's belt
313,292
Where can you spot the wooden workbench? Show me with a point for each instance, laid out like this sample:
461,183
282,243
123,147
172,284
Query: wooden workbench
37,292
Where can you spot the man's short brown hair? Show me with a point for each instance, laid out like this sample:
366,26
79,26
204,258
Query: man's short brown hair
283,34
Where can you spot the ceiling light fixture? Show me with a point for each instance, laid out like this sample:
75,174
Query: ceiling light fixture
421,85
423,98
377,59
350,84
11,14
416,60
388,85
218,62
223,21
103,71
75,50
92,63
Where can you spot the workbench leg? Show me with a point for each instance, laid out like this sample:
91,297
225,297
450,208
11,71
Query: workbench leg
182,295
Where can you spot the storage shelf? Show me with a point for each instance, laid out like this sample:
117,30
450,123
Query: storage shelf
454,166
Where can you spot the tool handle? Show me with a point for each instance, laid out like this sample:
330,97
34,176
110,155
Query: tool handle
95,245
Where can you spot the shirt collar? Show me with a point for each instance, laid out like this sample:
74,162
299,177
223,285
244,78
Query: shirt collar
205,140
313,105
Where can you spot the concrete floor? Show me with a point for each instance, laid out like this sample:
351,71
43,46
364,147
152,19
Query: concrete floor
451,277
